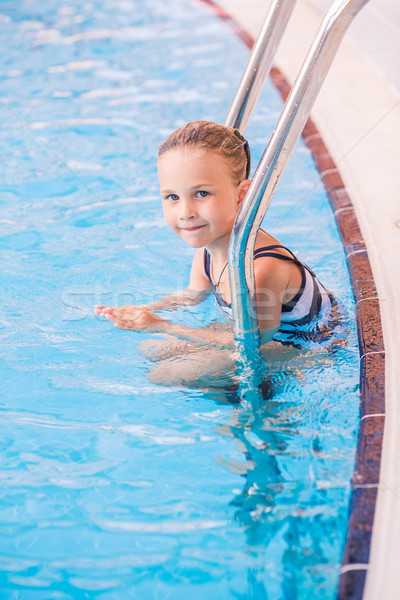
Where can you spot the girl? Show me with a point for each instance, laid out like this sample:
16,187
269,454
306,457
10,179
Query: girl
204,171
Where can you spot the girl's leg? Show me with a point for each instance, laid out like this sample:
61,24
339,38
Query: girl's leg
156,350
206,367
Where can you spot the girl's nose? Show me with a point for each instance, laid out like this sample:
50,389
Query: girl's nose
187,210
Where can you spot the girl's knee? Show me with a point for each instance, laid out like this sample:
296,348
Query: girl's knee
157,350
203,368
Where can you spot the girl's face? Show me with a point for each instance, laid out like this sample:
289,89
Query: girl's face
200,200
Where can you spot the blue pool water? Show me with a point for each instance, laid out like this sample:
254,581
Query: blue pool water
113,487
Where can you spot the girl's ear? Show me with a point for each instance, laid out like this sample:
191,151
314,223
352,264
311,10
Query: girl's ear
242,190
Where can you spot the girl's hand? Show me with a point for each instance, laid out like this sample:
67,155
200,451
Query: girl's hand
124,311
141,318
131,317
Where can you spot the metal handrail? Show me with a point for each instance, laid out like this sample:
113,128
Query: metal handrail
270,169
259,64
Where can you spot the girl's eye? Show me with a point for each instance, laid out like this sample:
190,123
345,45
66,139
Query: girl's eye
172,197
202,193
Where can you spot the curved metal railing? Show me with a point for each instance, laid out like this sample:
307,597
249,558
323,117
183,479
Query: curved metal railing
259,64
271,167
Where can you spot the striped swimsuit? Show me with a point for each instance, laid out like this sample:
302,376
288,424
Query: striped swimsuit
307,304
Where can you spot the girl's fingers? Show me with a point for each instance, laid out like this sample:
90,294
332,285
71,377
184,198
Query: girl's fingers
102,310
129,313
98,309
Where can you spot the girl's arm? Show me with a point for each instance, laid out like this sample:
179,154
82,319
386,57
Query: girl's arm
269,289
145,320
214,335
271,285
198,290
186,297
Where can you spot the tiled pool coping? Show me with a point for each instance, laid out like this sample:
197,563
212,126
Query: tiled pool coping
365,480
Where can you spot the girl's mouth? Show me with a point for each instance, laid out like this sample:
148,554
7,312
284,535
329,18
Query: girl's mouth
193,228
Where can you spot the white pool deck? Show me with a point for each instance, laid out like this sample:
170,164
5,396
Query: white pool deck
358,116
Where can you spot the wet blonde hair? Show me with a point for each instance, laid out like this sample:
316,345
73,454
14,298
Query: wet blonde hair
209,136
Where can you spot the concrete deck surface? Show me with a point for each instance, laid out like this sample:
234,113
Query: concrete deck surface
358,115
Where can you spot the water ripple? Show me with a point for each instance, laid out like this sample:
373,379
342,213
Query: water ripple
54,36
167,526
70,123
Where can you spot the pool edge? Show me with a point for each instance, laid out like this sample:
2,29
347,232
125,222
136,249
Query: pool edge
365,480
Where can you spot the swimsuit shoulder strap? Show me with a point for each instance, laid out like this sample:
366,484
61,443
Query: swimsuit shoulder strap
207,264
265,251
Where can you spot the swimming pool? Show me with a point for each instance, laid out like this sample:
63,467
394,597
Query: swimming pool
113,487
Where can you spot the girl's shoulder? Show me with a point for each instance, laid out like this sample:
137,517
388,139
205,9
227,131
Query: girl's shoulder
198,278
269,242
273,261
264,239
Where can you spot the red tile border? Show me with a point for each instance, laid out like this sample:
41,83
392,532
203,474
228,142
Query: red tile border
373,380
361,275
230,21
372,353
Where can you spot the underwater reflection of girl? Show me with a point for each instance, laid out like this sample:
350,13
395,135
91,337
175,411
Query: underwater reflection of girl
257,436
282,509
203,170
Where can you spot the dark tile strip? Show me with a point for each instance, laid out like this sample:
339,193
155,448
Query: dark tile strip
365,478
352,582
